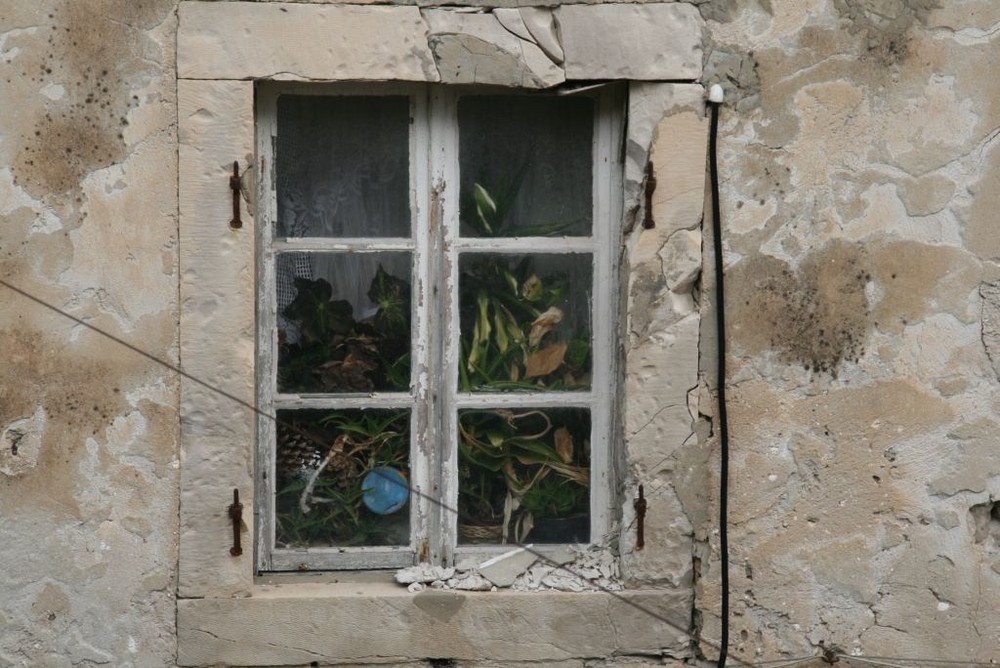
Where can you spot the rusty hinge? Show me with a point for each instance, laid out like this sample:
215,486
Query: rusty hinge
235,184
640,520
236,517
647,222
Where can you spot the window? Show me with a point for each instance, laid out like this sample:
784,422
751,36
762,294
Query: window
435,321
231,59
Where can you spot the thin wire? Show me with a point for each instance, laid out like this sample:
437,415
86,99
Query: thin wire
874,662
720,325
950,662
787,663
781,663
176,369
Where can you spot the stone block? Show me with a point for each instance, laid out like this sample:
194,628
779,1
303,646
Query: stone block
631,41
292,41
478,49
215,127
540,22
299,624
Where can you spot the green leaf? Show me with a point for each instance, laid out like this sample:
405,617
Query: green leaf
316,314
500,332
577,352
486,208
392,296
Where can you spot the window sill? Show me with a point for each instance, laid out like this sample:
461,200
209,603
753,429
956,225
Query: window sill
345,622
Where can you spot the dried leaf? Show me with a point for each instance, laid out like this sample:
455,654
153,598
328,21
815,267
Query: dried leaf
532,289
347,375
564,445
543,324
545,361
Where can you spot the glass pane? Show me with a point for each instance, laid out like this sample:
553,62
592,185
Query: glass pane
524,475
525,322
342,166
342,478
343,322
526,165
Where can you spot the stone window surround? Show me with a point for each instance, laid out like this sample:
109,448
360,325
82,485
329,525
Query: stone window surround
224,614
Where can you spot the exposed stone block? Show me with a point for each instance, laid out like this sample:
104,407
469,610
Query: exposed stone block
357,623
631,41
227,40
540,22
478,49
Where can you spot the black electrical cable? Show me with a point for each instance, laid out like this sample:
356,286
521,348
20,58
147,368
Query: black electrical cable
720,326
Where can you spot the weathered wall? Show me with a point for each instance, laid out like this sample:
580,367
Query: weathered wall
860,167
88,451
860,159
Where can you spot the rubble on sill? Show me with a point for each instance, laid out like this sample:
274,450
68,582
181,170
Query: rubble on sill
523,569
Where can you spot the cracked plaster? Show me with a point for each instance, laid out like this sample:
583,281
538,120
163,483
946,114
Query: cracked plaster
856,133
860,152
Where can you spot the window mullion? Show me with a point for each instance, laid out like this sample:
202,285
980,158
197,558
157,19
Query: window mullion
422,465
607,183
444,229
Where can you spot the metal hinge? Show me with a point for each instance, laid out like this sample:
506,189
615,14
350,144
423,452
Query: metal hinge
236,184
236,517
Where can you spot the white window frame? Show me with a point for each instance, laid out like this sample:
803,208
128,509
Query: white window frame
434,399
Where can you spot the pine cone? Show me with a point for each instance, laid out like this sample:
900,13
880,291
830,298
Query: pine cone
297,454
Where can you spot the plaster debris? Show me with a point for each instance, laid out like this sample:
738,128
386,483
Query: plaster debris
470,582
565,568
423,573
593,569
504,569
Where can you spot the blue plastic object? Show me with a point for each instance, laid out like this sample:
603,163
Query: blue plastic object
385,490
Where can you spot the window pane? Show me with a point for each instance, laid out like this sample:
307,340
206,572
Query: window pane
342,478
524,475
343,322
525,322
342,166
526,165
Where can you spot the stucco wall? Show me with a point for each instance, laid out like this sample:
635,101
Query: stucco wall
89,459
860,165
859,159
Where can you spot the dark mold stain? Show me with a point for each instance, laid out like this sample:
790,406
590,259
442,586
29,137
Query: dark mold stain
99,53
816,316
884,25
39,370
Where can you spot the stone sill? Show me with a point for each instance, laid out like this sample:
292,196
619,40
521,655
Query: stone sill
380,622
